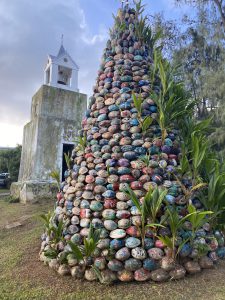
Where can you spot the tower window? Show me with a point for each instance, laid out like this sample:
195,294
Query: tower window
64,75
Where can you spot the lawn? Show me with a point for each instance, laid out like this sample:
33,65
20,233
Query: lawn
22,276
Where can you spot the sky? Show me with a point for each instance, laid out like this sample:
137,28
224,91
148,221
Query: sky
30,30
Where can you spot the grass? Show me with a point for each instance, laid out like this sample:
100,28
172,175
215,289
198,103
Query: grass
23,277
3,190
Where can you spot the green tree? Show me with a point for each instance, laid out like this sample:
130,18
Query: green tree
10,161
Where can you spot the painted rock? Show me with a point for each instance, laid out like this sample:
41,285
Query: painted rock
185,250
220,252
142,275
167,263
76,239
108,277
96,206
205,262
138,253
122,214
110,225
124,223
90,275
148,243
115,265
117,234
84,222
150,264
178,273
192,267
159,275
109,214
156,253
122,254
117,244
110,203
100,263
132,264
133,231
132,242
125,276
104,244
77,272
64,270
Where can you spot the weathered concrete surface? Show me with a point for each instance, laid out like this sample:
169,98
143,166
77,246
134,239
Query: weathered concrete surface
56,116
33,191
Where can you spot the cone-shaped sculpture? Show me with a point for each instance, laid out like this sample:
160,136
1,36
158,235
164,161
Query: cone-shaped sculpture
105,161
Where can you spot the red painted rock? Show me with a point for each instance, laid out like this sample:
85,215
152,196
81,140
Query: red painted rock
142,275
133,231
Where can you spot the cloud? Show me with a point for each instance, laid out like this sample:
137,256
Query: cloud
29,31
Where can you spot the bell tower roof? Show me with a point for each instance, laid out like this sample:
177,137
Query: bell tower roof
61,70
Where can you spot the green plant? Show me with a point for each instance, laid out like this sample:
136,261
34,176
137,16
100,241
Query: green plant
53,230
146,159
47,220
56,175
175,223
170,97
68,160
81,142
82,253
213,198
196,218
147,121
148,209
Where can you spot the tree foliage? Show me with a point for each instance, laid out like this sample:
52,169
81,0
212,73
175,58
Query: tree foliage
10,162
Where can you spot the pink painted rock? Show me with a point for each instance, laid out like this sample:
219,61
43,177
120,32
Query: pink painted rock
142,275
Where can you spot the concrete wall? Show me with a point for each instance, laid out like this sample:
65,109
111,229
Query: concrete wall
56,116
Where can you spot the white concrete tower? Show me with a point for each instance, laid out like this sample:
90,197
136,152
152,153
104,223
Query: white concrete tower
61,71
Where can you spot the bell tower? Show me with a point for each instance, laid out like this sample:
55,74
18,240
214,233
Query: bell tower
61,71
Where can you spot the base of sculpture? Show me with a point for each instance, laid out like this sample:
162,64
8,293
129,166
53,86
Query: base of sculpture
33,191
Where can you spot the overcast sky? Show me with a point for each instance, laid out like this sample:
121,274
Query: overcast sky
32,29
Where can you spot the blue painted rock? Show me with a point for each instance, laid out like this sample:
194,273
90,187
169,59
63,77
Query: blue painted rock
84,204
117,234
142,275
100,263
132,242
150,264
156,253
115,265
132,264
123,254
185,250
221,252
76,239
139,253
170,199
116,244
110,225
148,243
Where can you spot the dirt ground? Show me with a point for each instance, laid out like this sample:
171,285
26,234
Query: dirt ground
22,276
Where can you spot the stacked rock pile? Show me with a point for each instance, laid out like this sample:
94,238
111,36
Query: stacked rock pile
93,192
